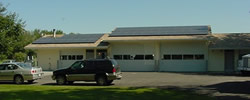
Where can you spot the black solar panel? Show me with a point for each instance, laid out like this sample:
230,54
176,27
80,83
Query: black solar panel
71,38
156,31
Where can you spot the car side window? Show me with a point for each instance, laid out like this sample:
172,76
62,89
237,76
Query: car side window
2,67
11,67
78,65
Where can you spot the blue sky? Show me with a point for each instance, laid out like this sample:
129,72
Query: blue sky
102,16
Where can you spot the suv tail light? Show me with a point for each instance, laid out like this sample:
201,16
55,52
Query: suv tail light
114,70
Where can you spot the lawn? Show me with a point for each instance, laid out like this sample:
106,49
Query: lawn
28,92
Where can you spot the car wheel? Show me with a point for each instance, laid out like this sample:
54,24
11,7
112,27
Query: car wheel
60,80
30,81
70,82
18,79
109,82
101,80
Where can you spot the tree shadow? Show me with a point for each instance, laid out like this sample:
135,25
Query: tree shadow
232,87
107,93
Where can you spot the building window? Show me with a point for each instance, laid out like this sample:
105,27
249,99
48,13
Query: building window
63,57
139,57
126,57
177,57
118,57
73,57
199,57
188,57
79,57
69,57
149,57
167,57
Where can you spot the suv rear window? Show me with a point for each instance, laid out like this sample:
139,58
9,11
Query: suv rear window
114,62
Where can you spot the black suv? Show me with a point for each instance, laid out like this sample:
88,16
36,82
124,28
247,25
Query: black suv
103,71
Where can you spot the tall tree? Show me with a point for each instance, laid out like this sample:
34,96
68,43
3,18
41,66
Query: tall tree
11,33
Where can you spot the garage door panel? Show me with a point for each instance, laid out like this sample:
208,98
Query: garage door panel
136,65
133,49
183,66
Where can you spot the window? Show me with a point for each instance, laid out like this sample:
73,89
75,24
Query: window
12,67
199,57
118,57
167,57
79,57
77,65
188,57
63,57
24,65
2,67
139,57
73,57
149,57
177,57
126,57
69,57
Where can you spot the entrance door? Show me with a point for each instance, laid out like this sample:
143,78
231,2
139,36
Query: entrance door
101,54
90,54
229,61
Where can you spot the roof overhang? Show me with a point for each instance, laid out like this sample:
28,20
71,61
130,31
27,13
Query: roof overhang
230,41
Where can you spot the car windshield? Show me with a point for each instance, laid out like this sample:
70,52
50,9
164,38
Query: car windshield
23,65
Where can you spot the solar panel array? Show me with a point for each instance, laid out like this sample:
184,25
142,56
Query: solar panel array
158,31
71,38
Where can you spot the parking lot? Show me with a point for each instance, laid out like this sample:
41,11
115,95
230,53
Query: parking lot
223,86
233,87
161,79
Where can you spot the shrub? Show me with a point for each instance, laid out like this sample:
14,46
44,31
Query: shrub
20,56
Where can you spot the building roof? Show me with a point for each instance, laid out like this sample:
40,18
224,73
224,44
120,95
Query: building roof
161,31
46,45
138,38
69,39
230,41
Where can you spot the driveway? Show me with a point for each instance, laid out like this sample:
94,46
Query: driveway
224,87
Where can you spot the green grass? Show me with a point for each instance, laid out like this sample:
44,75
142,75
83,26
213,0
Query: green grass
27,92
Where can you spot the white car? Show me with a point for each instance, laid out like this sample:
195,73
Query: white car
19,72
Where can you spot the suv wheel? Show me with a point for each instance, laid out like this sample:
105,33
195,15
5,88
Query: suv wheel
18,79
60,80
101,80
109,82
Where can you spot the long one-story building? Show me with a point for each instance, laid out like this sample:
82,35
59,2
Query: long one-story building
174,49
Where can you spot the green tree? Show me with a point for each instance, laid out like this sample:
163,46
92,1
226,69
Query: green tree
11,33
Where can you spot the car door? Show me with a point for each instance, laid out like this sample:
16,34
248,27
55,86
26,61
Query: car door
2,70
89,71
10,71
75,71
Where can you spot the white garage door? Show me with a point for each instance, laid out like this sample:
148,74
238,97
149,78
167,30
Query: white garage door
134,56
183,56
68,57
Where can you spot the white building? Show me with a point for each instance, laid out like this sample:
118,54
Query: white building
175,49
